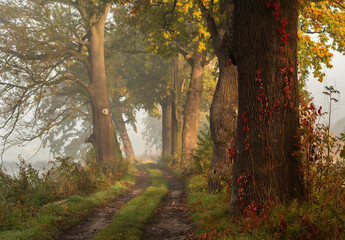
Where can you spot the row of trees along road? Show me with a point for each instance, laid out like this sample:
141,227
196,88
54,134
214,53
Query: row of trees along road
53,72
256,42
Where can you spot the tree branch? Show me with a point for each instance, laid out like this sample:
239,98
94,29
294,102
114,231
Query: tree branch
211,24
80,41
168,12
82,83
39,57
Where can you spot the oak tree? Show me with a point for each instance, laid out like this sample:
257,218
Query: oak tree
265,43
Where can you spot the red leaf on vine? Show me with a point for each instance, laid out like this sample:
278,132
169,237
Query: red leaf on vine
284,22
281,29
277,17
282,71
284,38
232,155
276,5
268,3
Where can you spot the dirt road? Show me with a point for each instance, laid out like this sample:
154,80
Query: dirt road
102,216
172,218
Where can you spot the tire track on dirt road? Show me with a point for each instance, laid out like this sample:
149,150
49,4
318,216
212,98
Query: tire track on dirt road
102,216
172,218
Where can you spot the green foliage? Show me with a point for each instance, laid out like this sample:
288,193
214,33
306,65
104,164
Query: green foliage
172,161
321,29
310,220
26,222
204,151
26,188
170,26
307,221
320,216
209,211
24,194
129,222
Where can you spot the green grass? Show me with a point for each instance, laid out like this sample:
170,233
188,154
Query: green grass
129,222
209,211
52,218
310,220
210,214
175,170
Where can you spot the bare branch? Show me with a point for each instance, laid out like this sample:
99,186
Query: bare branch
80,41
24,56
82,83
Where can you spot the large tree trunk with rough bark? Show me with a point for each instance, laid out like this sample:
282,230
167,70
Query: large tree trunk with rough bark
191,110
265,168
103,137
223,112
177,82
223,120
120,127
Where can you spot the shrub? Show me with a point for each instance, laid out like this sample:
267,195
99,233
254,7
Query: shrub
204,151
22,195
68,177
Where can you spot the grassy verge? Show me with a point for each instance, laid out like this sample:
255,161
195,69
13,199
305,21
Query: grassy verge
310,220
52,218
129,222
210,215
209,211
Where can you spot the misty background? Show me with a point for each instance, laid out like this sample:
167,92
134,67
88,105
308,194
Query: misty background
39,157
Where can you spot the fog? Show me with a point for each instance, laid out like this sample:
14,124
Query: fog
39,157
334,77
34,153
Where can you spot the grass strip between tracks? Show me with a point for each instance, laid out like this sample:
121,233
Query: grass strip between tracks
130,221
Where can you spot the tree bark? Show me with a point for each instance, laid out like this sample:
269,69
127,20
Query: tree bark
103,138
120,126
223,119
223,112
166,128
176,147
191,110
265,168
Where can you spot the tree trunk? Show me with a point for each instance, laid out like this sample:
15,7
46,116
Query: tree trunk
176,148
223,120
103,137
176,143
191,111
266,56
223,112
120,126
166,128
